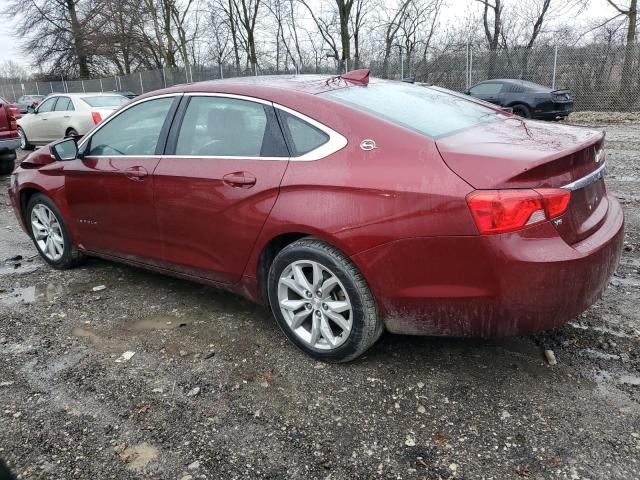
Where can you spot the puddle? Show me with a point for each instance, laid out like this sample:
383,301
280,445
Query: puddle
588,352
32,294
609,331
138,456
20,268
604,377
630,380
158,322
84,333
43,293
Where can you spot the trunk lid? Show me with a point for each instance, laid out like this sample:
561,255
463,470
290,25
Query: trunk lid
513,153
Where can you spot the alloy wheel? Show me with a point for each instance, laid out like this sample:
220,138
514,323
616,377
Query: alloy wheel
47,232
315,304
23,139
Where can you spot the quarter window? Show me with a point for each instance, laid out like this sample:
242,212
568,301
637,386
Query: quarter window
302,136
229,127
133,132
486,89
47,105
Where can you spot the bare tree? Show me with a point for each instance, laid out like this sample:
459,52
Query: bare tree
492,30
57,33
392,26
631,14
247,14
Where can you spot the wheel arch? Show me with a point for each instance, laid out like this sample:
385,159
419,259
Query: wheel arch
274,245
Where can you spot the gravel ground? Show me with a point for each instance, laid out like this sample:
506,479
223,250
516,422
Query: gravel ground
214,390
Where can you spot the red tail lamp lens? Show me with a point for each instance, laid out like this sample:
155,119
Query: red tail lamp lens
555,200
500,211
97,118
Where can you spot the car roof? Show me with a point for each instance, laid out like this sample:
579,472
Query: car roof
260,86
80,95
517,81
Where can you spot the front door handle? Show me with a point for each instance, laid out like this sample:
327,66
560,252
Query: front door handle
136,173
239,179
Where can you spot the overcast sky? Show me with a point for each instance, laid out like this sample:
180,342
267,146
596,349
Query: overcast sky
9,48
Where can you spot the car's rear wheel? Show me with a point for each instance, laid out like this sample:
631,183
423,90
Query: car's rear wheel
322,302
50,234
24,141
521,110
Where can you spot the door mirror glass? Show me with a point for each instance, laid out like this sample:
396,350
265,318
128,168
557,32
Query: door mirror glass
65,150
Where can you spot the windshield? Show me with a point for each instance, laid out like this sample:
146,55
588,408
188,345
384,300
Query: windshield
422,109
106,100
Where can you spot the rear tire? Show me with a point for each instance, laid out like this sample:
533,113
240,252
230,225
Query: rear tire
521,110
50,234
337,325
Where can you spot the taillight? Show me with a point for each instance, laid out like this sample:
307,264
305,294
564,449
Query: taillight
96,117
500,211
13,123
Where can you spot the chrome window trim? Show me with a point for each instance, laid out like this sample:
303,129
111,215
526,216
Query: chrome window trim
335,143
587,179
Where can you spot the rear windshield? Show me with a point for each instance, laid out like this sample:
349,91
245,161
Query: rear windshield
106,101
421,109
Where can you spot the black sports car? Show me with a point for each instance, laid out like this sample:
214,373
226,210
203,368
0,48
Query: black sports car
526,99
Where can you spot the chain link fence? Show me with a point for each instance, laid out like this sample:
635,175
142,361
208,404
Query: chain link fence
601,77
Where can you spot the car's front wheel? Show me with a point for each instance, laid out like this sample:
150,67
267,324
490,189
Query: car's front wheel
24,141
50,234
322,302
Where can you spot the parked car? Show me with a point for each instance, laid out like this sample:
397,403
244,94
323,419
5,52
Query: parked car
66,115
9,139
28,103
346,205
526,99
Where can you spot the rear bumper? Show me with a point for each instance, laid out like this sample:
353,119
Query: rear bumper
557,111
9,144
488,286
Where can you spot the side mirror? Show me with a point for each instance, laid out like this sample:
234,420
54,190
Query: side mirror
467,92
65,150
31,109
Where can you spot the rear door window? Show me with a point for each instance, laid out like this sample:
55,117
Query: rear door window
64,104
133,132
229,127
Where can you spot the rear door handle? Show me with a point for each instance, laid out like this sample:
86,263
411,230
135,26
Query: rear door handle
239,179
136,173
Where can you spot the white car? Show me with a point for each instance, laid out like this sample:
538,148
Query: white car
65,115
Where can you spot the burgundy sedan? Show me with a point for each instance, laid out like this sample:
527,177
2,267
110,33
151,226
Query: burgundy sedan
347,206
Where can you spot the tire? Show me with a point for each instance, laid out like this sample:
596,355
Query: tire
7,162
65,256
360,326
521,110
24,141
71,133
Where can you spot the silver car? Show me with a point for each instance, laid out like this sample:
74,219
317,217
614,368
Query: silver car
65,115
